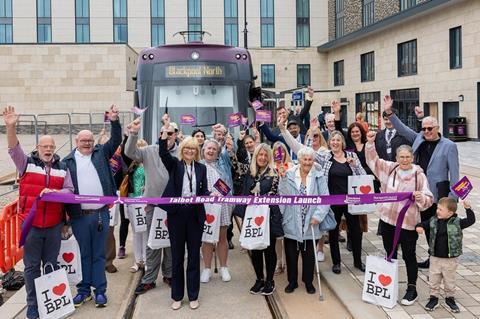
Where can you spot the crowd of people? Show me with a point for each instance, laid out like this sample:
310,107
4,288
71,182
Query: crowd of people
295,158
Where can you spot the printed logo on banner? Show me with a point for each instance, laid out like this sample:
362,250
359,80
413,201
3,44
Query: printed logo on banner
207,226
55,299
68,257
377,284
140,217
160,231
253,227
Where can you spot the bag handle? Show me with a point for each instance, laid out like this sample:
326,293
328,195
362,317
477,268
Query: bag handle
44,268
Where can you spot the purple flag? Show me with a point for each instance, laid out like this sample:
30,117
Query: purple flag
234,119
187,119
263,116
462,188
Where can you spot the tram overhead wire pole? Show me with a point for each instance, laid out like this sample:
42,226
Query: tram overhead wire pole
245,31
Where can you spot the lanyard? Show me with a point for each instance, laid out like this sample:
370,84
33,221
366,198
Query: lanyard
190,176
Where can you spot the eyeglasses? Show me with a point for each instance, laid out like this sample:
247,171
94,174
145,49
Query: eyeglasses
316,135
47,147
86,141
428,128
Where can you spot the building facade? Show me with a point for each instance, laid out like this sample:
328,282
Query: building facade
424,53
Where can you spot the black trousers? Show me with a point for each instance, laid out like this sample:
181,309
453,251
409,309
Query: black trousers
185,227
408,243
426,215
292,249
353,224
123,226
270,260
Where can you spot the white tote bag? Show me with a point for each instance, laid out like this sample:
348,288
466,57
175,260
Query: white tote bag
380,286
54,297
211,228
114,214
69,258
361,184
255,234
137,217
158,236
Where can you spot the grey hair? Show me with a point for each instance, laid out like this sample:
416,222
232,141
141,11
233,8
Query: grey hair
306,151
404,147
430,119
328,116
212,141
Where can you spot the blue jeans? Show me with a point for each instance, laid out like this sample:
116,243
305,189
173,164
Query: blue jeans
42,245
92,249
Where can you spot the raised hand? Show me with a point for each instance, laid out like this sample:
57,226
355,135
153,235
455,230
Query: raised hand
113,113
387,103
419,230
229,142
219,128
281,122
371,137
9,116
417,195
134,127
466,204
241,135
166,119
314,123
335,106
310,92
419,112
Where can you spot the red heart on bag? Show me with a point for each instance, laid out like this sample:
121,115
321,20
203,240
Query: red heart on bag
68,257
59,290
210,218
259,220
385,280
365,189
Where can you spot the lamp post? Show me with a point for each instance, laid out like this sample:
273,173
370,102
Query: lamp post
245,40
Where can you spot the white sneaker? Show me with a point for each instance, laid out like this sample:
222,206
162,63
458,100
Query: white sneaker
225,274
206,275
320,256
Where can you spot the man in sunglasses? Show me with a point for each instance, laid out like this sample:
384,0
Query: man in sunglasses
436,155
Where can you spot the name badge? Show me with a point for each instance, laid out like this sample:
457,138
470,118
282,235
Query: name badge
389,150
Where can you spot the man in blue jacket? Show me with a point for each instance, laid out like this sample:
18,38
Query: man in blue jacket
91,175
436,155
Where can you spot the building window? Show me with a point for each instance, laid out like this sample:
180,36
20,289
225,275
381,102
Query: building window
338,73
195,20
44,21
303,23
231,22
404,101
268,75
303,75
339,18
120,24
407,58
369,104
368,12
407,4
82,21
6,21
367,67
157,20
267,26
456,48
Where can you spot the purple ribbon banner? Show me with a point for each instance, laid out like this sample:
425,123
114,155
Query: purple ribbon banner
233,200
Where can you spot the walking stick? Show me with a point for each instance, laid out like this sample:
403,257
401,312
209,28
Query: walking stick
316,265
215,270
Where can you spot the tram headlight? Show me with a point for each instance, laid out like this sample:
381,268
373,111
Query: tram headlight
238,56
244,56
195,55
151,56
144,56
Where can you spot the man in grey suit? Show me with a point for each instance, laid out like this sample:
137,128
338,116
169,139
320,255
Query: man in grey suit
436,155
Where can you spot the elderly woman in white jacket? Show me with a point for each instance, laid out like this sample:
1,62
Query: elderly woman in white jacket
303,179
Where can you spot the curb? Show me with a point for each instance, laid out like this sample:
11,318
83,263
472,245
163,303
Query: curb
127,308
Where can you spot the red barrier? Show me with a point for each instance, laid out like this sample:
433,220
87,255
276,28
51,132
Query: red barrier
10,224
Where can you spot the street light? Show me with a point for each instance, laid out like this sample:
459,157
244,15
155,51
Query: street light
245,40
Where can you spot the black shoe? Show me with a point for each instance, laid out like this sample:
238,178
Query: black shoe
143,288
452,305
349,245
341,239
230,245
424,264
410,296
432,304
360,267
257,288
337,269
310,289
269,288
291,287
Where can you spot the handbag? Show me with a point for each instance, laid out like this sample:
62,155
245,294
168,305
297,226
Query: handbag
211,227
69,258
255,234
159,236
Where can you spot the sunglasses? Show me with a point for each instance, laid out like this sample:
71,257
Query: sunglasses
169,133
316,135
428,128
